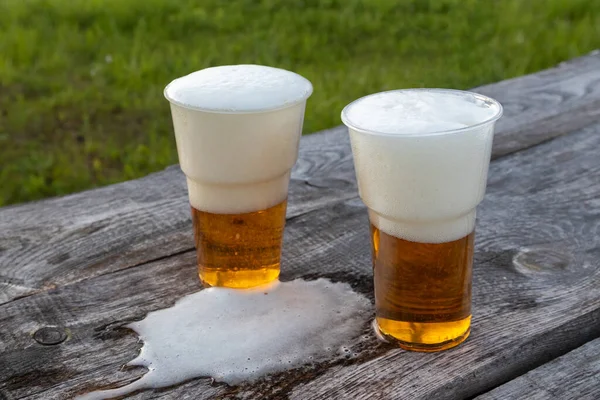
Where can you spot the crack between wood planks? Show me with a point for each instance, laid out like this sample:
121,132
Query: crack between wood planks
48,288
44,289
23,296
341,200
187,250
546,357
142,263
542,142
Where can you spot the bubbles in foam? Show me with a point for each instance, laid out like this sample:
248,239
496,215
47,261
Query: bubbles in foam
239,88
418,111
252,334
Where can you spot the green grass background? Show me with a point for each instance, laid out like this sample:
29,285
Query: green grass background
81,81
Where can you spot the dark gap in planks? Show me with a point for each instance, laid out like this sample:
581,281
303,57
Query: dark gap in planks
590,326
116,386
301,214
189,249
502,156
177,253
576,375
25,295
141,264
161,258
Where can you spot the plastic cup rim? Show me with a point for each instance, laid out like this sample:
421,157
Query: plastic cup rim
468,128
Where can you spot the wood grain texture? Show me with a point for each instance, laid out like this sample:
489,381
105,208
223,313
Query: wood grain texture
55,242
574,376
63,240
536,291
537,240
547,104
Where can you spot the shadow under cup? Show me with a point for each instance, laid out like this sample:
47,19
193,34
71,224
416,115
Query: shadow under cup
421,189
238,168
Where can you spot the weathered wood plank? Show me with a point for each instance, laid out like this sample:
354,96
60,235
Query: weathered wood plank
63,240
536,290
547,104
536,282
576,376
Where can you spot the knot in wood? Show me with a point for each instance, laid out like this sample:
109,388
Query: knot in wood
50,335
542,260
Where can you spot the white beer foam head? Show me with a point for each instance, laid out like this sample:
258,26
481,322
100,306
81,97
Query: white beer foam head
235,335
237,130
421,159
239,89
419,111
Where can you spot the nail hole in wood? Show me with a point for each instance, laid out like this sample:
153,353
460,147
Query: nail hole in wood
50,336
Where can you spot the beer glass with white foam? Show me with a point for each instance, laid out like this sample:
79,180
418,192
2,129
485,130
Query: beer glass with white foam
237,130
421,159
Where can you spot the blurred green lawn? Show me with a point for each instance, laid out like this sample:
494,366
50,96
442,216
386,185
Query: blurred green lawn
81,81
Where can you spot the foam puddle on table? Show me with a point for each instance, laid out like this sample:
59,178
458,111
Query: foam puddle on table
237,335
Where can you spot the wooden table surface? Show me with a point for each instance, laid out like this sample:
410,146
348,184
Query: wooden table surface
74,269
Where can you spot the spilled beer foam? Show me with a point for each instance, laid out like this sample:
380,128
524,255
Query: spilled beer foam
235,335
237,129
421,159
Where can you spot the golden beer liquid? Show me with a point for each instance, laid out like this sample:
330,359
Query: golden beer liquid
422,291
239,250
